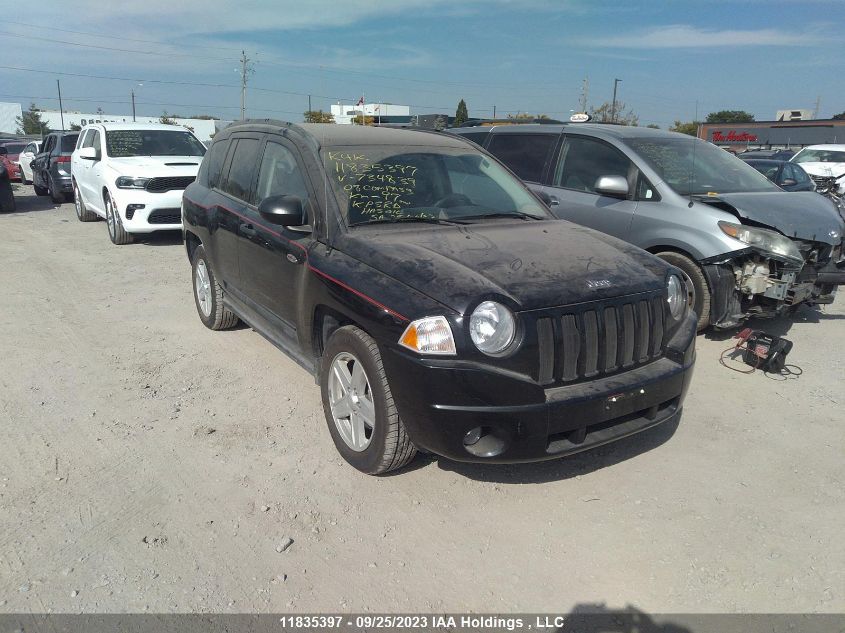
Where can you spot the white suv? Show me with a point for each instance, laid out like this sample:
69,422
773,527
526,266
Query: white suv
133,175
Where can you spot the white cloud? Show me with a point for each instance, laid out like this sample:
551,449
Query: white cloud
685,36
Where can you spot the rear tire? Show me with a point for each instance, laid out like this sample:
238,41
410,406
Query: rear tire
82,212
117,234
208,295
695,279
359,397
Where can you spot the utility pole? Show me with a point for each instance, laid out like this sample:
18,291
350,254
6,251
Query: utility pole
246,69
613,107
309,105
61,109
494,110
585,90
133,104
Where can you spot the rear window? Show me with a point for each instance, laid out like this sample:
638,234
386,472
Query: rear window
524,154
14,148
69,142
476,137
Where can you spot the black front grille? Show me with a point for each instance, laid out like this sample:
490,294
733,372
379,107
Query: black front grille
601,338
165,216
169,183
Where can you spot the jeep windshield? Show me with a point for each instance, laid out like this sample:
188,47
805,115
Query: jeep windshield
127,143
394,183
694,167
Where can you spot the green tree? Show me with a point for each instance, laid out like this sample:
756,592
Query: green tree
839,117
204,117
690,128
75,127
360,119
30,122
167,119
622,115
318,116
730,116
461,114
653,126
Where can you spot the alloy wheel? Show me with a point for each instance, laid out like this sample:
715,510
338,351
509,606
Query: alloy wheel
351,401
202,286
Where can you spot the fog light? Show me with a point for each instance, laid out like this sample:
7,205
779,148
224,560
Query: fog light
131,209
483,441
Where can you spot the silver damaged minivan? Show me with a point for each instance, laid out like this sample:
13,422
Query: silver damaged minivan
747,247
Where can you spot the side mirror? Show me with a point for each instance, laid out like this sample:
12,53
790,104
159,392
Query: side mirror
282,210
88,153
788,182
614,186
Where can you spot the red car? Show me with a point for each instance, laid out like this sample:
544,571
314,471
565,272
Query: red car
9,153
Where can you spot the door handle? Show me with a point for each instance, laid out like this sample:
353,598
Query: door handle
554,201
248,230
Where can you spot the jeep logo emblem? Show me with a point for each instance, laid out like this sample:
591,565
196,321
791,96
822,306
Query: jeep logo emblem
595,284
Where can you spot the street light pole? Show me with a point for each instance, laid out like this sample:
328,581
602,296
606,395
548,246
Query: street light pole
613,107
133,105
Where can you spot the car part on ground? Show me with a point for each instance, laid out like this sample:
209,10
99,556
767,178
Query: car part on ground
673,194
437,301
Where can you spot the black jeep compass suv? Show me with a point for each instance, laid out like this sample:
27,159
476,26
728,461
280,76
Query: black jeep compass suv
435,298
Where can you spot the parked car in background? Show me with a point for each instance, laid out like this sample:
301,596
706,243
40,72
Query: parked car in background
7,196
788,176
9,152
435,298
51,166
747,247
133,175
771,154
26,157
825,164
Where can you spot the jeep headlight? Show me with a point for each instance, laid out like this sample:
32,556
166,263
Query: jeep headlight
677,297
492,327
128,182
431,335
767,241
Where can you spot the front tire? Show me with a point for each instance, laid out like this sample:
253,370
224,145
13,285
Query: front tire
360,412
83,214
696,283
117,233
208,295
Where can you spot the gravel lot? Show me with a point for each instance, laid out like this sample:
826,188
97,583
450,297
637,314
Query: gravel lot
148,463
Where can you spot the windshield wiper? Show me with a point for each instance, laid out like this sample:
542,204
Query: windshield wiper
410,219
506,214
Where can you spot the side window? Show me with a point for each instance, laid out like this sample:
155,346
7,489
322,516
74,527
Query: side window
645,190
524,154
95,143
48,144
800,174
88,139
30,149
788,173
584,160
212,164
280,175
238,182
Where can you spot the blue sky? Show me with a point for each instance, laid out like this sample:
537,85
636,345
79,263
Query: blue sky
519,55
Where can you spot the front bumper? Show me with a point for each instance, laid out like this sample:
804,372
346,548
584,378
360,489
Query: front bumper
144,212
441,401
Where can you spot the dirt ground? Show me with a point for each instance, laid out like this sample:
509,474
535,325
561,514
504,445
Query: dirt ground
149,464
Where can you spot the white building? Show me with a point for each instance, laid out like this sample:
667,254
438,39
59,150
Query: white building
343,114
9,113
202,128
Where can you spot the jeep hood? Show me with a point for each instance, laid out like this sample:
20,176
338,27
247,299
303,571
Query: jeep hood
526,264
801,214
